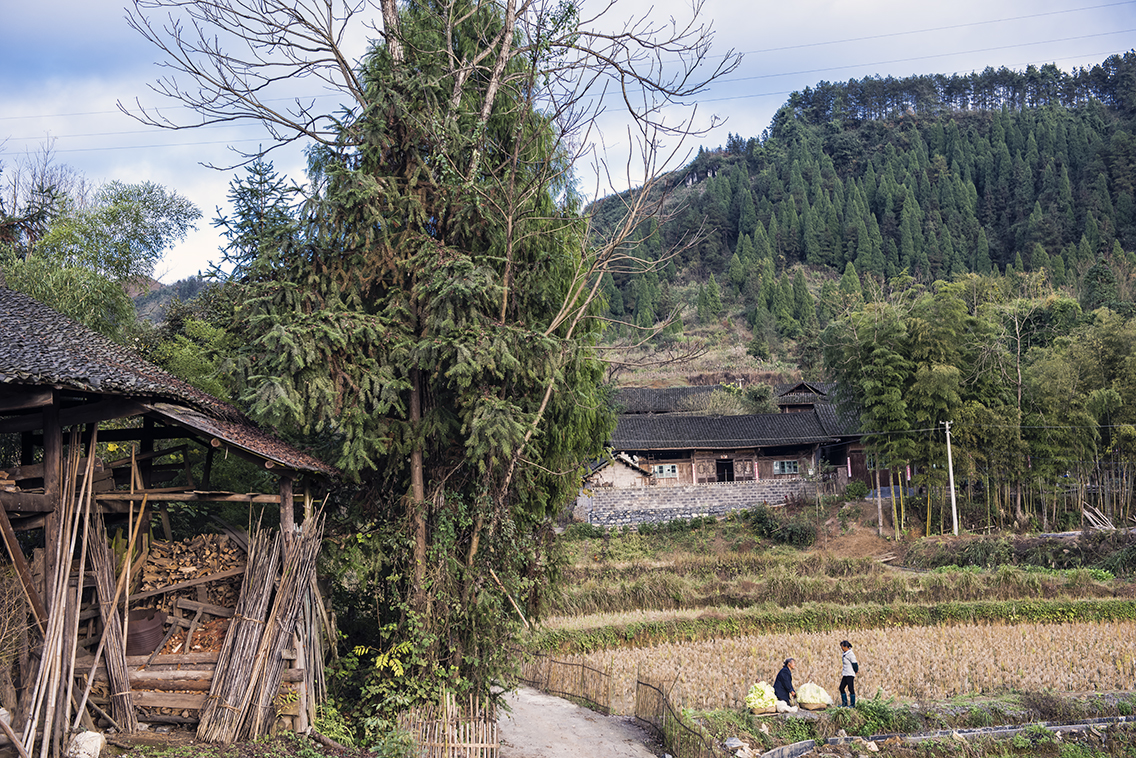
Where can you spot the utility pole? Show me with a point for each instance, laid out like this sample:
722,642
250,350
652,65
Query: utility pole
951,479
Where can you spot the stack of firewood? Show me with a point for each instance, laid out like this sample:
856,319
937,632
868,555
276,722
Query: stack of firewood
171,563
7,483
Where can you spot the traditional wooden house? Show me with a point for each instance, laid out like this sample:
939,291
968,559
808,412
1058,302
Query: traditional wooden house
681,449
68,397
662,431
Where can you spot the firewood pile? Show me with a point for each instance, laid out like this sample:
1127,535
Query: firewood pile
171,563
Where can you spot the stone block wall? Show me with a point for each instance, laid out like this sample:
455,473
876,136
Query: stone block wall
627,507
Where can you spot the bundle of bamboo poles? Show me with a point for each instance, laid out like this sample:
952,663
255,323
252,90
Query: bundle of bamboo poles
113,641
229,691
298,569
51,699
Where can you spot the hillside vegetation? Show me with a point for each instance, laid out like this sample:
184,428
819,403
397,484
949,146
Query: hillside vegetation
932,177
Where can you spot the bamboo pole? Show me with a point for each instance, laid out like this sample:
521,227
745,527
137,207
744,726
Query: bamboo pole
89,487
128,723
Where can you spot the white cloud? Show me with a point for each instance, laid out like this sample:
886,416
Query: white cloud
67,62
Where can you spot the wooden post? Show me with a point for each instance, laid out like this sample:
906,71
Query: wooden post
287,508
52,476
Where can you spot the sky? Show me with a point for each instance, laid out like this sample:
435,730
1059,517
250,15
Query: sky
65,64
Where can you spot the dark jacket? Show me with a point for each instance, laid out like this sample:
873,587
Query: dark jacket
783,687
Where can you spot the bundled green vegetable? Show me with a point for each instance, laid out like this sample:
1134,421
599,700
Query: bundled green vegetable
813,694
761,697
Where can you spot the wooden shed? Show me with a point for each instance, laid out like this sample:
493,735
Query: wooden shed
90,432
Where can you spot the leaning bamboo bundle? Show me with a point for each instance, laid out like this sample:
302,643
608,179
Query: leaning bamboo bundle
229,692
297,571
102,561
49,675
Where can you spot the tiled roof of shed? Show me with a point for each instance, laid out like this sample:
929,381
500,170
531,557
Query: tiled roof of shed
42,347
669,432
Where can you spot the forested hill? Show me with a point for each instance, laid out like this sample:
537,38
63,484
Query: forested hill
933,175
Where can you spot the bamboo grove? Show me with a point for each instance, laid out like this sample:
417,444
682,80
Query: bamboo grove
1040,393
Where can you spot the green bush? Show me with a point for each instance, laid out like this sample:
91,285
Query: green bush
882,717
798,532
795,730
584,532
856,490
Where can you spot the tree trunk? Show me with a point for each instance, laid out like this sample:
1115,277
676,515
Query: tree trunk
416,509
879,506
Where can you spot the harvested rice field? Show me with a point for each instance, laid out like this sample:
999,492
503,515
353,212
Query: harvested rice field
909,663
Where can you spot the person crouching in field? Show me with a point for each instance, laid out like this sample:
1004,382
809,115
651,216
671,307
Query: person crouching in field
848,670
783,687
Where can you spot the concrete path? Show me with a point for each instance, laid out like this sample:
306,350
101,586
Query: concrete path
543,726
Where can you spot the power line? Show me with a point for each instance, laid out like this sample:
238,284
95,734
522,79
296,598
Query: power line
927,57
967,25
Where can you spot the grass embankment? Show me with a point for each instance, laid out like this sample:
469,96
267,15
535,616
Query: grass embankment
719,580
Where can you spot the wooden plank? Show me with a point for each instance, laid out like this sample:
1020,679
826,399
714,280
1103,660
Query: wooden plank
227,574
177,700
185,659
212,610
26,502
147,678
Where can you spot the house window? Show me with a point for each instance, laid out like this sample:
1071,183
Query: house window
665,470
784,467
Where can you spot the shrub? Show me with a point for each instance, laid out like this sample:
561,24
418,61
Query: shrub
798,532
584,532
881,717
856,490
795,730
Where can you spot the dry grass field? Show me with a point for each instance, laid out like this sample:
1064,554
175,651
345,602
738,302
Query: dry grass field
910,663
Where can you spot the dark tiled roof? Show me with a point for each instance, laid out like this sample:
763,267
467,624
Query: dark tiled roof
834,422
658,400
243,435
41,347
803,393
669,432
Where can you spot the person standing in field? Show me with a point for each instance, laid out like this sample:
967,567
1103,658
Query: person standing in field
849,667
783,687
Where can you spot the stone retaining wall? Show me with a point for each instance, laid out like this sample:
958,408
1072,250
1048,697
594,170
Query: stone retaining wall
628,507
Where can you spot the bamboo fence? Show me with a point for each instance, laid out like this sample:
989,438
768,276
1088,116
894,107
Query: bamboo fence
450,731
574,679
654,710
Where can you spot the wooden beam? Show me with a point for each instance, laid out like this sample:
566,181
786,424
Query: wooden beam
89,413
52,453
287,508
26,502
187,497
212,610
145,456
21,401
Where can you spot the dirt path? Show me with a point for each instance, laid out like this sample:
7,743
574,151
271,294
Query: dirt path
543,726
